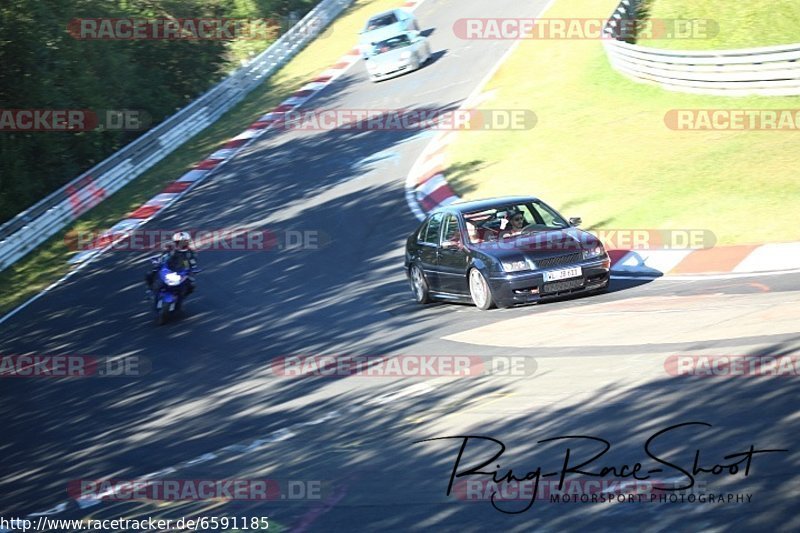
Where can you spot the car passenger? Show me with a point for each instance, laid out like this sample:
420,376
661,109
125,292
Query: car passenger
472,232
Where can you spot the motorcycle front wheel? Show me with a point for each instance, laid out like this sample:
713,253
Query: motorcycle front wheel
162,314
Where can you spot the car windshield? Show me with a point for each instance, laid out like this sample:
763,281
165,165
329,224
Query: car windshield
399,41
381,21
511,220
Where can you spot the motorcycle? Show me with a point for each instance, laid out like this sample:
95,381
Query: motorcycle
172,288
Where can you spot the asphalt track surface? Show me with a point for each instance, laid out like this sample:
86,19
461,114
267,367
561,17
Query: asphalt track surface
209,387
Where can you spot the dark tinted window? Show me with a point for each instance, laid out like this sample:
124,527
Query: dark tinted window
431,232
421,233
380,22
451,232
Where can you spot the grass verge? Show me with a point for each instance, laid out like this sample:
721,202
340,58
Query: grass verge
601,150
49,262
741,24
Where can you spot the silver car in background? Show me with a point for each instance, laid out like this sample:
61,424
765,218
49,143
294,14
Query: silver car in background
396,55
389,22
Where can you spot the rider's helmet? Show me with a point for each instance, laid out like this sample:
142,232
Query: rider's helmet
181,240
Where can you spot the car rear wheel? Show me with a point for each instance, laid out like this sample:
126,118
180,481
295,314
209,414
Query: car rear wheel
480,291
419,285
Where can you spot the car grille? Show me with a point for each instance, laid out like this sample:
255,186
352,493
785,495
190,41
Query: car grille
549,262
560,286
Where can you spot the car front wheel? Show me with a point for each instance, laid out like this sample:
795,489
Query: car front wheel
480,291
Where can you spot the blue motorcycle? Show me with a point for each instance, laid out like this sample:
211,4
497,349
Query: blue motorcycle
172,290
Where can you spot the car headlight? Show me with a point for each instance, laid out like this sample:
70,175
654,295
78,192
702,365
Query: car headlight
405,55
515,266
172,279
597,251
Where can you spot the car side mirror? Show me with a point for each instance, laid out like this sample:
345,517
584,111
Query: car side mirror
575,221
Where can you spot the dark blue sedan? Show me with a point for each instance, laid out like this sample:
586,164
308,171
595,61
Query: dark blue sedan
503,252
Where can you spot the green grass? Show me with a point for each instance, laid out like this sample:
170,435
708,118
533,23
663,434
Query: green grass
49,262
742,24
601,150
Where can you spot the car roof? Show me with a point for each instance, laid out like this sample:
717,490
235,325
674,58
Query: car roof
486,203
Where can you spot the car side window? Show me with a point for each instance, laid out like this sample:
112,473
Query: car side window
421,232
431,232
451,232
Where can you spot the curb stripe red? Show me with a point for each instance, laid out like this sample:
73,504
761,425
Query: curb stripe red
441,194
177,186
234,143
145,211
208,164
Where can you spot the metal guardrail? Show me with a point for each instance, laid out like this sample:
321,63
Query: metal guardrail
771,70
29,229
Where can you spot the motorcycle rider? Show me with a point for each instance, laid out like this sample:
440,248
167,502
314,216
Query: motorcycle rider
177,256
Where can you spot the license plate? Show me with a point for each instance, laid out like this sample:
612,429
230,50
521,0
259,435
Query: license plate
556,275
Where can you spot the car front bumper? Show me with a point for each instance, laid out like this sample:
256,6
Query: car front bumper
390,71
527,287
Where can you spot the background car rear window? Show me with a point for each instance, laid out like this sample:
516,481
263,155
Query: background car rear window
380,22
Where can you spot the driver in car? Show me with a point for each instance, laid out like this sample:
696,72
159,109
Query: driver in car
513,223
